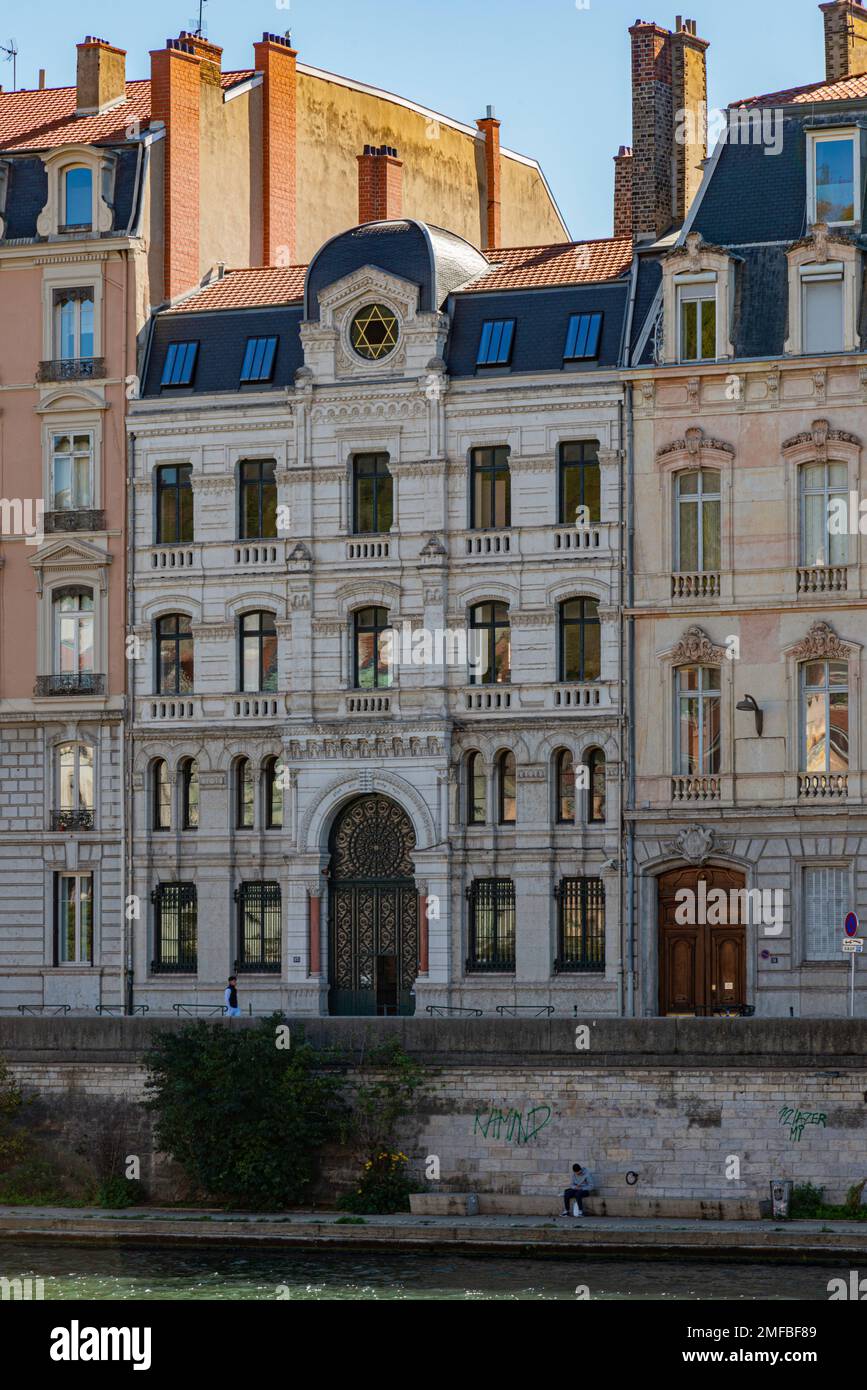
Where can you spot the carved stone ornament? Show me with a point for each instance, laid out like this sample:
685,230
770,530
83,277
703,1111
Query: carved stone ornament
693,443
696,648
820,435
821,644
695,844
433,546
300,553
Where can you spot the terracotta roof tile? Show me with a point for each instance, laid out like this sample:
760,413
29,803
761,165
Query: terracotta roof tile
852,88
248,289
532,267
41,120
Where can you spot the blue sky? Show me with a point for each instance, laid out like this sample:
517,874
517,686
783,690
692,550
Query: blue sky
556,71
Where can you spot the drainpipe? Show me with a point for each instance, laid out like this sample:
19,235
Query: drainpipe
129,687
630,797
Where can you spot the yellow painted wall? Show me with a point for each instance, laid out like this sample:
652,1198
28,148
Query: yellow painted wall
230,219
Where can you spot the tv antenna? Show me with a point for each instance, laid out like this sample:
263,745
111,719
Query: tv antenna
11,56
201,28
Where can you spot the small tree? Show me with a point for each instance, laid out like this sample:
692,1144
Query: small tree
11,1102
389,1087
243,1115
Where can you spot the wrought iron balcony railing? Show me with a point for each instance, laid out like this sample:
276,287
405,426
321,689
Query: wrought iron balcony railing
71,369
72,820
74,519
185,965
257,967
75,683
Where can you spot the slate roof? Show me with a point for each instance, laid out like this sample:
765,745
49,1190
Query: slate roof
41,120
222,338
541,320
28,191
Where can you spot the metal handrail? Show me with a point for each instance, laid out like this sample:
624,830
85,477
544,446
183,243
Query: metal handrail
113,1009
193,1010
38,1009
447,1010
513,1010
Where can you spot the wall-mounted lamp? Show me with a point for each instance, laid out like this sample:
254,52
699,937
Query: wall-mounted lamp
748,704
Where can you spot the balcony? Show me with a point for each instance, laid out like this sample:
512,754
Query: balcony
74,519
173,557
589,696
696,790
72,820
581,540
823,579
258,553
372,549
71,369
701,585
368,704
258,707
823,786
487,697
78,683
174,707
489,544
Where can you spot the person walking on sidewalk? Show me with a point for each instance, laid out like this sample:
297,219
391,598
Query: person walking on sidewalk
231,997
580,1187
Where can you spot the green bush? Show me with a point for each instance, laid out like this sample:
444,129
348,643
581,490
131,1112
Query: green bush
243,1116
116,1192
807,1201
384,1186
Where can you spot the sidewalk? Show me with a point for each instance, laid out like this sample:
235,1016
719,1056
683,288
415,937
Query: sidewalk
525,1235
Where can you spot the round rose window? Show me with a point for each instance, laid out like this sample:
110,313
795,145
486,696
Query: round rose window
373,332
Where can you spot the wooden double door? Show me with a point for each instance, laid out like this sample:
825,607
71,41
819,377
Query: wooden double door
702,966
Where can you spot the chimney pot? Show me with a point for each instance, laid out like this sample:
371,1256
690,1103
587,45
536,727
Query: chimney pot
100,76
380,184
845,39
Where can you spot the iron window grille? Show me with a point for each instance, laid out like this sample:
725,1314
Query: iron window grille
259,357
581,925
259,928
582,337
180,364
175,929
492,925
495,343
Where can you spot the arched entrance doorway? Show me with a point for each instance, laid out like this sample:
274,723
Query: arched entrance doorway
702,941
373,928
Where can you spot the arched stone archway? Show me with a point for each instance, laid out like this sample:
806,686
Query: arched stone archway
373,918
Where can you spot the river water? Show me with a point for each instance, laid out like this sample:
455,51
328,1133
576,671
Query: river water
81,1272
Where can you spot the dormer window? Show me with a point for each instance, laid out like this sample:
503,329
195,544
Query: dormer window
495,343
696,313
179,364
834,178
824,292
582,337
77,199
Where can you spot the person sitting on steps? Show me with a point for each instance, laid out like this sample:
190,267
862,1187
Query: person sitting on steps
581,1187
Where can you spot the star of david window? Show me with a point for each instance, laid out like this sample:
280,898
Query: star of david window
373,333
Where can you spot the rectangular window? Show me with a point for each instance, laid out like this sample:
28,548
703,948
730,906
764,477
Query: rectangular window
257,499
373,509
73,324
835,177
259,359
697,323
822,309
580,485
174,504
582,337
826,902
823,485
259,927
825,716
175,929
179,364
581,924
698,713
71,472
490,484
697,522
495,343
492,925
73,897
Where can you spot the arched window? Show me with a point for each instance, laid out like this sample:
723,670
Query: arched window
564,764
477,789
257,499
174,647
580,640
73,638
596,810
697,530
161,795
189,794
373,501
372,667
244,797
490,644
74,781
698,716
258,653
273,782
507,790
77,199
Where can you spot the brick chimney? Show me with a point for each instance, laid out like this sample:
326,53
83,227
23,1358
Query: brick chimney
100,76
623,167
845,38
669,123
380,184
490,128
175,100
276,59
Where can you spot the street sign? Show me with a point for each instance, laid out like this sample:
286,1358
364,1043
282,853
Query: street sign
854,945
851,925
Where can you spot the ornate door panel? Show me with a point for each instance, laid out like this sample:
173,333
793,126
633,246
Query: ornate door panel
702,966
374,935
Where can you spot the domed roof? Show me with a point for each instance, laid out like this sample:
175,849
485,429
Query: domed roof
430,257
